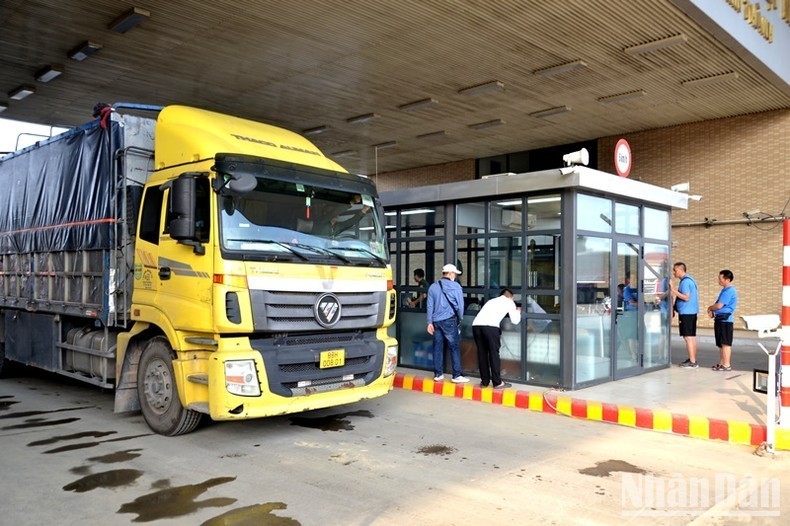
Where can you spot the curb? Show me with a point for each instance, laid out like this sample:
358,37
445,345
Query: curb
733,432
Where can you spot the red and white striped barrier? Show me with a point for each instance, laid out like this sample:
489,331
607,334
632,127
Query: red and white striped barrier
784,393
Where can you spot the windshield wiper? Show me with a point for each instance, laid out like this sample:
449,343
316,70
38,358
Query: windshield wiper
272,242
365,250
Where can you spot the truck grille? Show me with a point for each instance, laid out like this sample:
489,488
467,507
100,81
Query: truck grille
294,311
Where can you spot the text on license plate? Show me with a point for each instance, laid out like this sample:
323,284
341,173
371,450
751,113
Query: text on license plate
332,358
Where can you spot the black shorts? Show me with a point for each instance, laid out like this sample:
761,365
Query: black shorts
722,330
687,324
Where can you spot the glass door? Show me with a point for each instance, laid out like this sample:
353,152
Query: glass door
626,341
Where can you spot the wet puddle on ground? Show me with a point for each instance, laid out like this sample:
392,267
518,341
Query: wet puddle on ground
176,502
39,422
606,468
26,414
256,515
107,479
338,422
436,449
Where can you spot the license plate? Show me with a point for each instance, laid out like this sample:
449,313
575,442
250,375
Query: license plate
332,358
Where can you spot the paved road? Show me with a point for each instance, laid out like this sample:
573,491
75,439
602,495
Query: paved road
407,458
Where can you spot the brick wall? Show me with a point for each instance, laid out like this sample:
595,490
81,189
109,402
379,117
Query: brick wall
427,175
737,164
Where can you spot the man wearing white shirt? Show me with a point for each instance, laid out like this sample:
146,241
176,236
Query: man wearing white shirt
487,334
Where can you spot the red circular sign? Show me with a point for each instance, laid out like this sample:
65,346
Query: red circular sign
622,158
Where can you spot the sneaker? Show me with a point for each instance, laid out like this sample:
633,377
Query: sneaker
689,363
460,380
484,385
503,385
438,378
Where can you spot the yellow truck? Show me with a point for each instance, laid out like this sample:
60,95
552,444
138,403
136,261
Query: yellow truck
197,263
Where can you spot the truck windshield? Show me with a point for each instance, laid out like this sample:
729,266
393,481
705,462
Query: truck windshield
285,220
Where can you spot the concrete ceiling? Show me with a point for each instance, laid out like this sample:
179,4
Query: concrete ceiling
304,64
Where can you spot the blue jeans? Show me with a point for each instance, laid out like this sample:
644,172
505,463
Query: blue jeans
446,331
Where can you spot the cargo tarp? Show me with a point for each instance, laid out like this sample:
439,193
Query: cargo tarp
58,195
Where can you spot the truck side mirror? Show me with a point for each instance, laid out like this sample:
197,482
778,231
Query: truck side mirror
183,203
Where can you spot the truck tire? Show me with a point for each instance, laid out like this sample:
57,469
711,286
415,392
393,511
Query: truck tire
158,394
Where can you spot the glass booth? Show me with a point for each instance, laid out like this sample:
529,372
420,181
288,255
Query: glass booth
586,254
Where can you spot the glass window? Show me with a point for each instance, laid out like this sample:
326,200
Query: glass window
543,262
543,353
544,212
151,216
425,255
593,308
656,223
423,221
658,304
471,262
626,219
593,213
505,265
506,215
470,218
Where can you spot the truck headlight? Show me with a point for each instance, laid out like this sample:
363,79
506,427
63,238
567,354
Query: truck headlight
392,360
241,378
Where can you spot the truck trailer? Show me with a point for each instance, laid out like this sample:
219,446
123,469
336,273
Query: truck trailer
196,263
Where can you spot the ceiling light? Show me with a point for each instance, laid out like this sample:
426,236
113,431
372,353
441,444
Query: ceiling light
433,135
385,145
423,104
315,131
480,89
487,124
84,50
513,202
21,92
622,97
362,119
549,112
128,20
655,45
50,72
536,200
412,212
560,69
714,79
3,107
344,153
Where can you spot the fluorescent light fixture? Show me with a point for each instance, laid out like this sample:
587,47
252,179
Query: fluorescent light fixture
362,119
423,104
433,135
513,202
128,20
344,153
542,114
656,45
385,145
480,89
25,90
412,212
560,69
3,107
537,200
487,124
84,50
713,79
315,131
50,72
622,97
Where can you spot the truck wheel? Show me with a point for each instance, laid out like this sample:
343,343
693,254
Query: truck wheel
158,394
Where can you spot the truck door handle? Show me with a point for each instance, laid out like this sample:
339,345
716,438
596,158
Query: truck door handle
164,273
